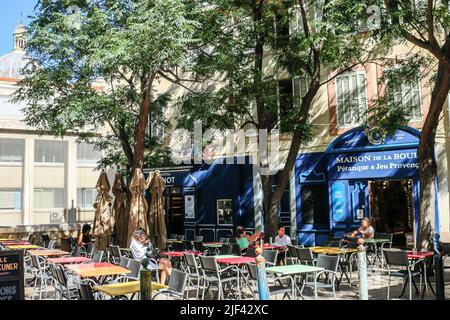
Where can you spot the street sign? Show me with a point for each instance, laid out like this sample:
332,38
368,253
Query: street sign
11,275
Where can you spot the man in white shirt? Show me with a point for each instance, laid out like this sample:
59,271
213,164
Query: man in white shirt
282,239
139,246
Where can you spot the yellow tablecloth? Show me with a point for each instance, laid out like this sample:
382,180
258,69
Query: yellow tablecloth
28,246
121,289
331,250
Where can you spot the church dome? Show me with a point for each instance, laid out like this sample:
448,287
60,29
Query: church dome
12,63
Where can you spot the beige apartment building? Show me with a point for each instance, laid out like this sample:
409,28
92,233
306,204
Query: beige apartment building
40,176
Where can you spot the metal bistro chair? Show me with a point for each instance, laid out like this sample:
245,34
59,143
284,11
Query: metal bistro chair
177,285
51,244
225,249
275,287
383,245
193,270
330,265
90,250
305,255
124,262
212,274
198,239
198,246
399,258
224,240
177,246
116,255
180,237
187,245
42,275
271,257
251,252
67,288
97,255
292,255
86,291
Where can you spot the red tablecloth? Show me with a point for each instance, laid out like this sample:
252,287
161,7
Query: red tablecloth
89,265
15,243
271,247
180,253
420,255
237,260
70,260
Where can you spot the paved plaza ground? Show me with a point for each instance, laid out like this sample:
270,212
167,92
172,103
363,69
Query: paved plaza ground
377,283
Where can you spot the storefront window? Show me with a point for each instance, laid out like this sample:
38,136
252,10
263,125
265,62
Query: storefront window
224,212
314,204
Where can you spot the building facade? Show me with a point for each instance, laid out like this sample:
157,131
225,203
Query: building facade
345,173
40,176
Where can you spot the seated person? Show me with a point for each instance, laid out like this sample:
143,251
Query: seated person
244,239
365,231
85,236
141,248
282,239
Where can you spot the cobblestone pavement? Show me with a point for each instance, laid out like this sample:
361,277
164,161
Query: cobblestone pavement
377,284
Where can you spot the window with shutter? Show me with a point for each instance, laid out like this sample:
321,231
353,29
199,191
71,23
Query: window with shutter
48,151
12,150
351,99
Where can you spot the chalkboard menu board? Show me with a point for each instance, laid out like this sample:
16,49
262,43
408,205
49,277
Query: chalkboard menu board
11,275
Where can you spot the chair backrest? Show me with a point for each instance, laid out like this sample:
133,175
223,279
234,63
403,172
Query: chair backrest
135,267
198,246
225,249
115,251
251,267
387,236
209,264
97,255
85,289
180,237
61,275
224,240
294,242
90,248
251,252
292,252
177,281
177,246
190,260
396,257
304,254
173,236
124,262
270,256
198,238
328,262
51,244
236,250
30,237
187,245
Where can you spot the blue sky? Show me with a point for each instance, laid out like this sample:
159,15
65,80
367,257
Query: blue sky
9,18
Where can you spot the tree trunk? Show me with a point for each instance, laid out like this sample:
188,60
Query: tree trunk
139,136
283,181
427,161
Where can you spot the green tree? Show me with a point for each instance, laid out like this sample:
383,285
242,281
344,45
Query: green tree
95,66
238,39
426,26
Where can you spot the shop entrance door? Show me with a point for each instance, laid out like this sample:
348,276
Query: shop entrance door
175,211
392,207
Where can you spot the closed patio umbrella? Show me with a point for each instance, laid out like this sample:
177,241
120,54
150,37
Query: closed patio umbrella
158,229
120,211
138,204
103,221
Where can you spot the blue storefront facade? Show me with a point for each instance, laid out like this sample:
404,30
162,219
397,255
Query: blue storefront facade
345,174
331,191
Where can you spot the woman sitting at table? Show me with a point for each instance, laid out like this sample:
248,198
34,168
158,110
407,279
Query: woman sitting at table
365,231
141,248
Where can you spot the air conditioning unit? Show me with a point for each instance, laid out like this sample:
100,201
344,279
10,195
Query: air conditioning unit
56,217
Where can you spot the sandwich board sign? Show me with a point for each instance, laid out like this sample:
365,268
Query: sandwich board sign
11,275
